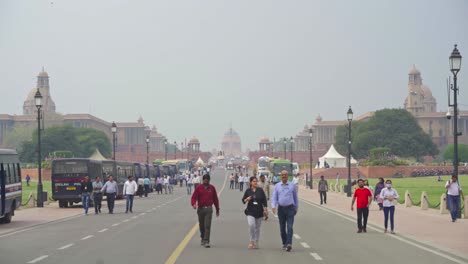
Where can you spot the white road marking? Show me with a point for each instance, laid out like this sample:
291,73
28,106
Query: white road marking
65,247
87,237
116,224
135,217
142,214
103,230
38,259
395,237
305,245
316,256
154,208
296,236
126,220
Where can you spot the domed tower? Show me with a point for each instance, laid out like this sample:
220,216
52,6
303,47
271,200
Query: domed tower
419,99
29,106
231,143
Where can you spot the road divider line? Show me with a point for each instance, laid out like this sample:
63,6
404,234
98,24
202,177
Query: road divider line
38,259
116,224
87,237
305,245
296,236
125,221
316,256
135,217
65,247
103,230
433,251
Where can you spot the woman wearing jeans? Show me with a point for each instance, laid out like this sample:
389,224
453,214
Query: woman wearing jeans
389,196
256,209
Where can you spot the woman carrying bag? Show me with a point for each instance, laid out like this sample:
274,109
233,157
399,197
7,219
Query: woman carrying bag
256,209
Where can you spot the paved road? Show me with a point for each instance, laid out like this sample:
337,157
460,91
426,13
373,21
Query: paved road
156,230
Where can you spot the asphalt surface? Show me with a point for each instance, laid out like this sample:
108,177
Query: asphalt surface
156,230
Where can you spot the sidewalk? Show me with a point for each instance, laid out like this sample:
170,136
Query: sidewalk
428,227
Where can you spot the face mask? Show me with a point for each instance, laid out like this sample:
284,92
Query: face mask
389,185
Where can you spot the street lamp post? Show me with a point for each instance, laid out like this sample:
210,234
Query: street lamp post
182,149
175,149
284,143
114,131
38,101
455,65
311,131
291,142
165,149
147,148
350,119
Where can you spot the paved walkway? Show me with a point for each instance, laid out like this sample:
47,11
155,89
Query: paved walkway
429,226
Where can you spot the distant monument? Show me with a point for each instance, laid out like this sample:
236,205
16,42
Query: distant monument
231,143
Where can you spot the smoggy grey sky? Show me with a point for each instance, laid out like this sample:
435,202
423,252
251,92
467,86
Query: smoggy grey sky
195,67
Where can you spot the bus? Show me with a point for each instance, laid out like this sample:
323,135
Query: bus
183,165
10,184
230,166
123,170
278,165
67,176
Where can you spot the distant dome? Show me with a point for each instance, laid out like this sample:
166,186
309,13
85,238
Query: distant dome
194,140
43,73
318,118
414,71
264,140
426,91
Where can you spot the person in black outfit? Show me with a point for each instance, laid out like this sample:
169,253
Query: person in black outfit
86,189
257,208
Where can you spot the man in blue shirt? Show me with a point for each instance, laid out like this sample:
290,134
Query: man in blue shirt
284,201
146,183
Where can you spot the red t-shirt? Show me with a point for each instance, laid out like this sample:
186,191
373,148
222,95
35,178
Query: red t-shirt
362,197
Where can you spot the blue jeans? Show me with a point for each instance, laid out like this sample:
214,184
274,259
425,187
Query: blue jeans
189,188
85,201
286,220
129,204
454,205
389,210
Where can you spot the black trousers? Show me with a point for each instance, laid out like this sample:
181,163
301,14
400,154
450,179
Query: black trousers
241,186
362,214
110,202
323,197
231,185
205,214
97,202
147,189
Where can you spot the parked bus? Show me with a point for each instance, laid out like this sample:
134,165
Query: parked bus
278,165
67,175
10,184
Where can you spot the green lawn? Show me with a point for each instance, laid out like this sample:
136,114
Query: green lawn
416,186
46,186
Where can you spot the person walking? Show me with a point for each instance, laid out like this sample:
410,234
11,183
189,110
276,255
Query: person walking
141,186
28,179
236,181
231,181
338,178
275,179
363,198
159,184
196,181
86,189
166,184
389,195
284,201
181,180
265,185
203,199
172,182
246,181
147,183
130,188
454,191
111,189
378,189
189,184
257,208
323,189
241,182
295,180
97,195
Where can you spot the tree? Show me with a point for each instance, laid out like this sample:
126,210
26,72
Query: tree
395,129
462,153
82,142
19,134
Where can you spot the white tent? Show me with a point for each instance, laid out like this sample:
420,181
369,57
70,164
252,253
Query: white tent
333,159
353,161
200,162
97,155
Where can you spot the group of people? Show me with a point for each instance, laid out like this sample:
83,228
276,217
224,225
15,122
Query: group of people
237,182
284,203
96,189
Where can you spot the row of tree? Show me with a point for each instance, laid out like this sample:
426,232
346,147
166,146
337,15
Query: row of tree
81,142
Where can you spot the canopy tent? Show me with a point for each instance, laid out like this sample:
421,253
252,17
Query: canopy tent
199,162
353,161
333,159
97,155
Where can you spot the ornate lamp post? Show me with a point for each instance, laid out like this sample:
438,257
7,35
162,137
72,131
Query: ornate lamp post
114,131
284,143
147,148
182,149
38,101
175,149
311,132
165,149
455,66
350,119
291,140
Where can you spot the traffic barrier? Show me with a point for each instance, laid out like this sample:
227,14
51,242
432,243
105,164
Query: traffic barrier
443,204
424,203
408,202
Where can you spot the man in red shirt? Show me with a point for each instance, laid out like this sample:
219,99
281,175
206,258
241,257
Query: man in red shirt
205,195
364,199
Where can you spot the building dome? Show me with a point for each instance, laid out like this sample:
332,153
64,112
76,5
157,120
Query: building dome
426,91
43,73
194,140
264,140
318,118
414,71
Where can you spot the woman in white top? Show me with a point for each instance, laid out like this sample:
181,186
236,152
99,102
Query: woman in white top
166,184
389,196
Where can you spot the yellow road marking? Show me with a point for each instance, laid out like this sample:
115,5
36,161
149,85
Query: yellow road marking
175,255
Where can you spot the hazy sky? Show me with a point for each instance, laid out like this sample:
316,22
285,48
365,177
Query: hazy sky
194,67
